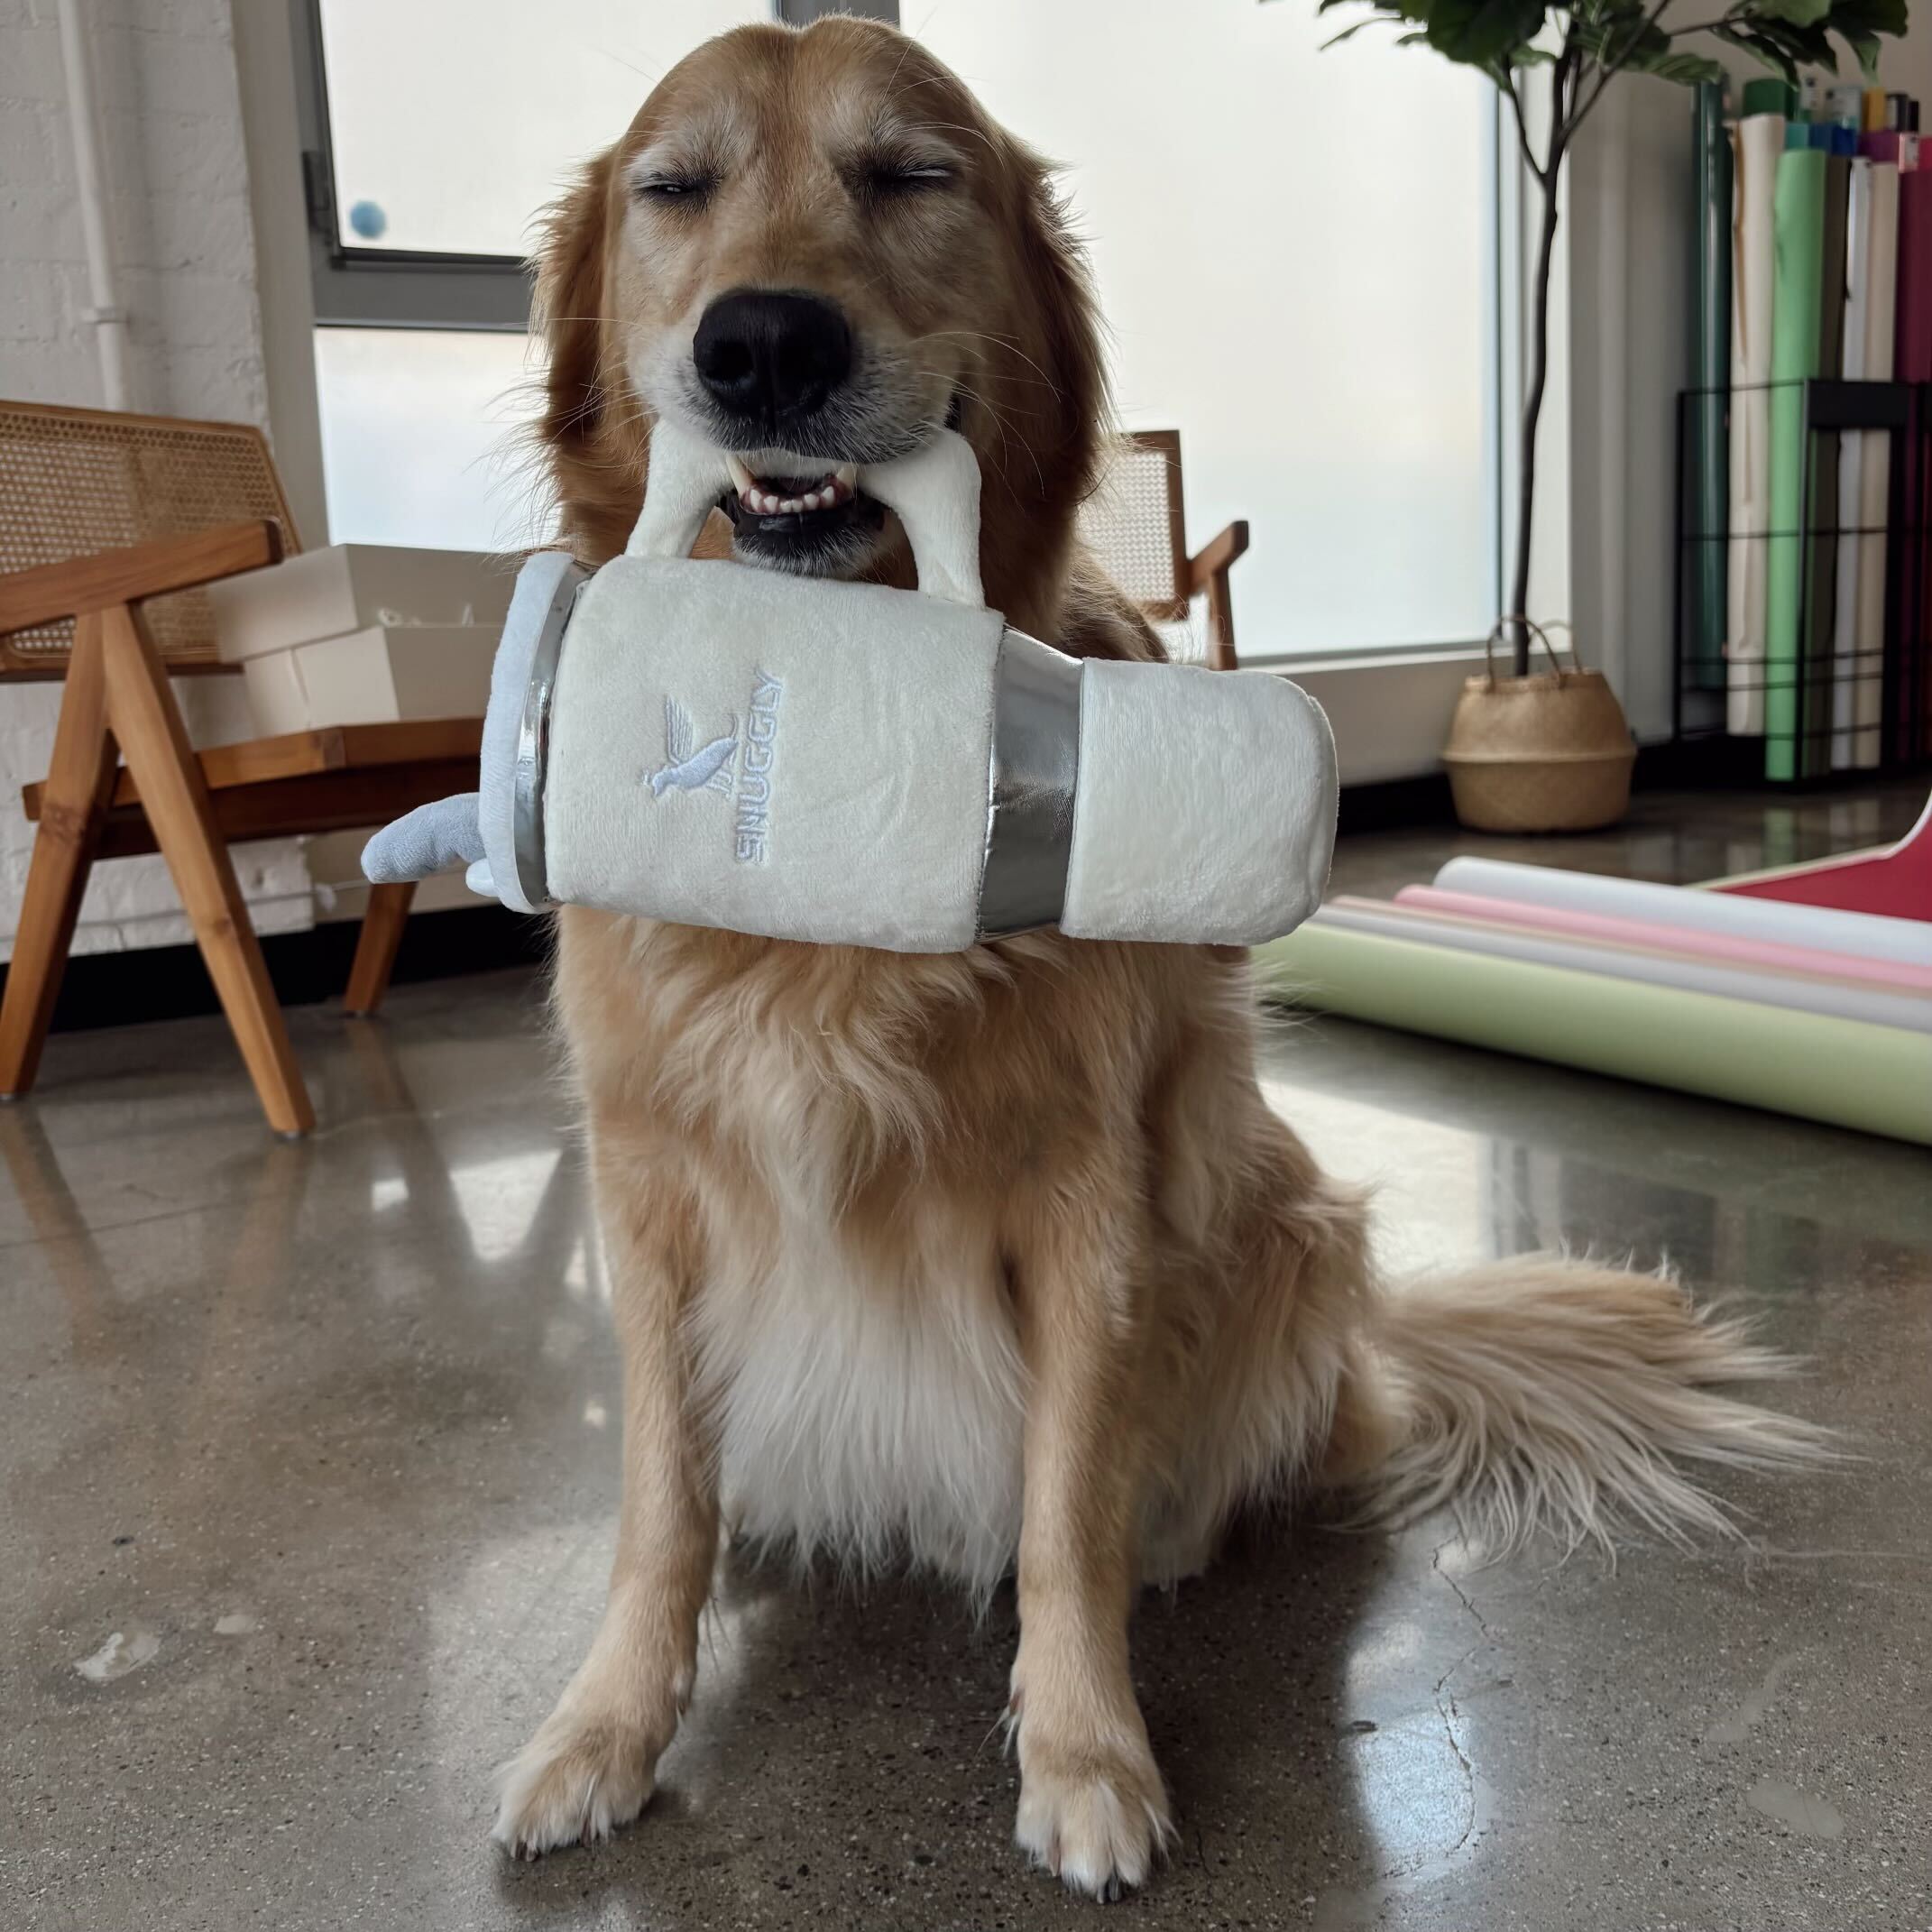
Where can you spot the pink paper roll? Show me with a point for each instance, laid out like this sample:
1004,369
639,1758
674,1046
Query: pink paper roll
1894,976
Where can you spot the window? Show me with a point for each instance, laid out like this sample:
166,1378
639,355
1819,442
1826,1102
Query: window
1296,256
434,135
1297,253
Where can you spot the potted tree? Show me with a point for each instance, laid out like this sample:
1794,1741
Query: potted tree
1552,752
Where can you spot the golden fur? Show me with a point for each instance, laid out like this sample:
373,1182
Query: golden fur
998,1257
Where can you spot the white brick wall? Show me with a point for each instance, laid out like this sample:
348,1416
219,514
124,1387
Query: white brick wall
184,253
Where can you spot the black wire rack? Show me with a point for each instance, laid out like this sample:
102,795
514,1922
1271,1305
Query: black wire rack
1842,695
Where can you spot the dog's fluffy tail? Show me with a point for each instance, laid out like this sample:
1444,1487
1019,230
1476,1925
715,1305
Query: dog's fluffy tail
1546,1393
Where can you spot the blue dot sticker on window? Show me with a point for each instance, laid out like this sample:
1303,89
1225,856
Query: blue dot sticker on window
368,220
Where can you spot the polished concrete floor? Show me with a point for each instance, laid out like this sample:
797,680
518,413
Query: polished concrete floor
307,1456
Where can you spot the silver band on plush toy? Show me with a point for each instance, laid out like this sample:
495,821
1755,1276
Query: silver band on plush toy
533,734
1030,787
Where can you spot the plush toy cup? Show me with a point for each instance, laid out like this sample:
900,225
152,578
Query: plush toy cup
716,745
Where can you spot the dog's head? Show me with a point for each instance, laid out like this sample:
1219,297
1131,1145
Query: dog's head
813,250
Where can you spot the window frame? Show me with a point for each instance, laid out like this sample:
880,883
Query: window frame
375,288
401,288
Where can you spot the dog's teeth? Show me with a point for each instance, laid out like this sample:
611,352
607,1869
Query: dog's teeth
847,474
790,506
740,476
811,500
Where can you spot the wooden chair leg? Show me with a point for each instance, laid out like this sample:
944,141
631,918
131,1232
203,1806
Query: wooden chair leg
79,781
1220,625
143,717
387,914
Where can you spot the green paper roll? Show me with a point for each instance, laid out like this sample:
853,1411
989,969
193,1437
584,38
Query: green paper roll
1769,97
1844,1072
1797,221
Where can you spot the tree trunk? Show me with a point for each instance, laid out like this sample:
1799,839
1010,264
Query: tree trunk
1533,408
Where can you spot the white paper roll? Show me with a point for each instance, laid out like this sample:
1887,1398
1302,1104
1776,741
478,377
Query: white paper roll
1759,141
1908,940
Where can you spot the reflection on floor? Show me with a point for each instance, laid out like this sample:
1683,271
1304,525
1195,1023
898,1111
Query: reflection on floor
1675,837
309,1456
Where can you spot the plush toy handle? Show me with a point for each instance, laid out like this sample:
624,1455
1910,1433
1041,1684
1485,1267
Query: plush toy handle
935,491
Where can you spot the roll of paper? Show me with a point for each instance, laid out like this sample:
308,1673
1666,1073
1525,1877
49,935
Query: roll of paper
1875,1079
1864,685
1815,663
1909,942
1799,992
1886,975
1890,883
1759,142
1912,364
1710,461
1843,638
1800,233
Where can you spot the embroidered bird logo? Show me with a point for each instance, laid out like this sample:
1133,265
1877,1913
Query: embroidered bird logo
686,770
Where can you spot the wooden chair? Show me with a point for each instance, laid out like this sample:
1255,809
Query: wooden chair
1137,525
108,522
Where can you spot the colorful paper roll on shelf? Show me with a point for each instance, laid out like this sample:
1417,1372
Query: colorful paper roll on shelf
1820,617
1875,1079
1842,640
1799,233
1862,690
1913,363
1758,142
1709,454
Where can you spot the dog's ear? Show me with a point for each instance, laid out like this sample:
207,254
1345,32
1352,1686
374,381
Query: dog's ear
1066,311
592,437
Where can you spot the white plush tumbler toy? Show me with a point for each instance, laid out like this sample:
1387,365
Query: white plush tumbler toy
716,745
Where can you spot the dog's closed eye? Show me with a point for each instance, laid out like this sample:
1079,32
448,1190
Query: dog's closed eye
888,176
690,186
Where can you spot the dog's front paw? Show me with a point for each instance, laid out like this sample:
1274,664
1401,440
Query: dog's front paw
1097,1820
575,1781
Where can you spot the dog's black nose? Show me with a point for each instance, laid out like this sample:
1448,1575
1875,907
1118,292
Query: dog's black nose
770,355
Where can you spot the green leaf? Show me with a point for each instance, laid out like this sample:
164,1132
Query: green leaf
1808,46
1623,38
1799,12
1356,26
1474,33
1868,16
1865,46
1773,57
1686,70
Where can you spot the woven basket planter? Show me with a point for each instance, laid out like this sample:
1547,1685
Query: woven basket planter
1550,752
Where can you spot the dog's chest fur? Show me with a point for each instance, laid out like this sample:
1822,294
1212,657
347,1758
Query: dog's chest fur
871,1416
855,1335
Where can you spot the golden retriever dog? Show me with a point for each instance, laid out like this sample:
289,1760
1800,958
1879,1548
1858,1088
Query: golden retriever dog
994,1262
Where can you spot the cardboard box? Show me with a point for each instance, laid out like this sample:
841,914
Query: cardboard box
373,676
353,587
